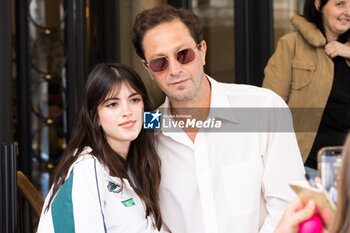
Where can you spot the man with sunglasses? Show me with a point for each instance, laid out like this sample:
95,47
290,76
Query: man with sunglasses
212,182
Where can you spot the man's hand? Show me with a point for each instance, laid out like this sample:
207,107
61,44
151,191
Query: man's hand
295,214
336,48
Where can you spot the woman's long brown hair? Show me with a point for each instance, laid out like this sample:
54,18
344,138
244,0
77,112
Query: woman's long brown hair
142,161
341,220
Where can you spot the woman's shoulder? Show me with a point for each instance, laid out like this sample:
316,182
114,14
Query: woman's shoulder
287,44
290,37
84,157
84,163
87,162
305,34
297,41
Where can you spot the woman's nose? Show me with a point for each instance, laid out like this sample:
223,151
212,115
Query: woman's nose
126,110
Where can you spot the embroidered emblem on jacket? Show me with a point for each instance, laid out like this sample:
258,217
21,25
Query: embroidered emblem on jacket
113,187
128,203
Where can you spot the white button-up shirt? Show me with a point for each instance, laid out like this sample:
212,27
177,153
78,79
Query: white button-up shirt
229,181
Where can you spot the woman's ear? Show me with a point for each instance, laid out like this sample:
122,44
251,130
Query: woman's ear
317,5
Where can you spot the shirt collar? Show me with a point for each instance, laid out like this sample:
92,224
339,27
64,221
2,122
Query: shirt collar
178,135
220,107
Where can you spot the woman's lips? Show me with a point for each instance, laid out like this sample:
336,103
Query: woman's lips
344,20
127,124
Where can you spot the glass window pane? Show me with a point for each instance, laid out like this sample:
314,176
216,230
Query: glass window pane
218,31
283,10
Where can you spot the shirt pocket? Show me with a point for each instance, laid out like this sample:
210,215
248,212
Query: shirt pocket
242,183
302,71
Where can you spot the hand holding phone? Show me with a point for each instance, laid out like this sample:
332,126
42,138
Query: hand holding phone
317,193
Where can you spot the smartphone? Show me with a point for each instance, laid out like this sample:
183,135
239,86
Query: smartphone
329,164
317,193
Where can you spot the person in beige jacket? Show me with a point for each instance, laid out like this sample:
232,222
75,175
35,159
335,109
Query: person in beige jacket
310,70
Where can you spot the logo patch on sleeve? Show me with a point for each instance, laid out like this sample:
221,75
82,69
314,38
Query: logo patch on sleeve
128,203
113,187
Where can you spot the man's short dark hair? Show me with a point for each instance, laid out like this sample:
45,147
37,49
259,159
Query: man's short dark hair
151,18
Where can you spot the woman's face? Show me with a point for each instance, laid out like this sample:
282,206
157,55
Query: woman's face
121,118
336,18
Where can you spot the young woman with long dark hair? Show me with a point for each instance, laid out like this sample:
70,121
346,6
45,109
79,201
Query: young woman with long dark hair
107,180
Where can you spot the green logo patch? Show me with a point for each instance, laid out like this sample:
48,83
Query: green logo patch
129,202
113,187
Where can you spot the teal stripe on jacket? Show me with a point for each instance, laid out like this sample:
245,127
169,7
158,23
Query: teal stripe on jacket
62,208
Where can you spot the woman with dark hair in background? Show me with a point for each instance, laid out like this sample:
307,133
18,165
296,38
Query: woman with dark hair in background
108,178
310,70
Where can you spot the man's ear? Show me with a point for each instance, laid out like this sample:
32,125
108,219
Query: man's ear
144,63
317,5
203,50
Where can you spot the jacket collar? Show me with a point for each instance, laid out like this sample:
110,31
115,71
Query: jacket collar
308,30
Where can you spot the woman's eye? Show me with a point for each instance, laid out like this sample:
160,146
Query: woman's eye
340,3
112,104
135,100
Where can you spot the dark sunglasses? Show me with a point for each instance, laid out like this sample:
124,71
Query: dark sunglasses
184,56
